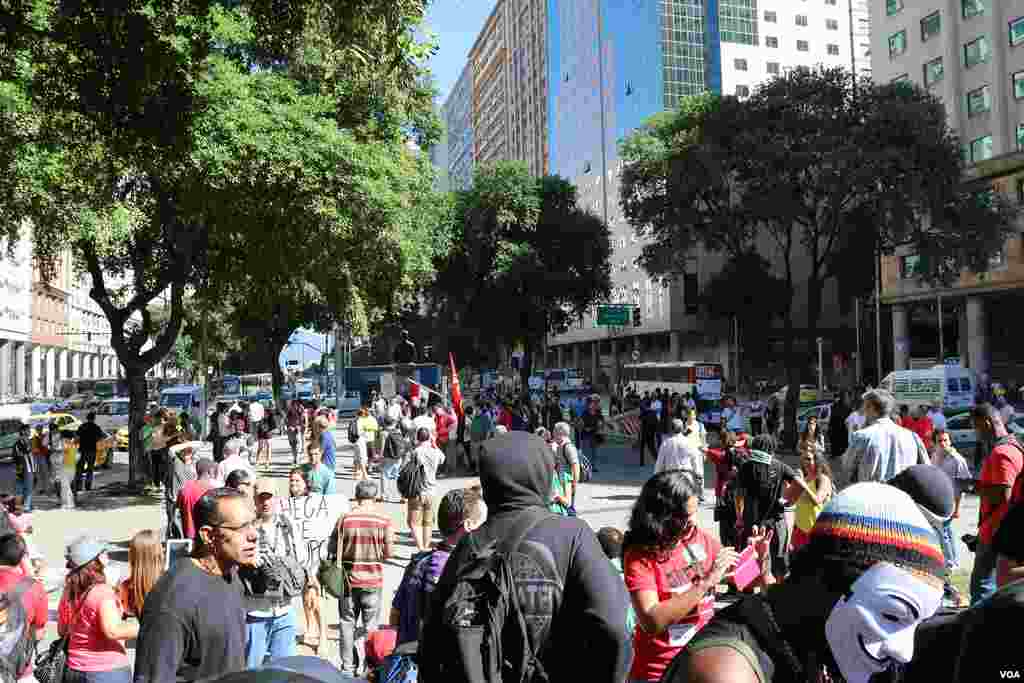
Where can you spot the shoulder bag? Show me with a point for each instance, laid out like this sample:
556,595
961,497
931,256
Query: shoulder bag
332,574
51,665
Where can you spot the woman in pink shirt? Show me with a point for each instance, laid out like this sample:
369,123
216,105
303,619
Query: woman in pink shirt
90,614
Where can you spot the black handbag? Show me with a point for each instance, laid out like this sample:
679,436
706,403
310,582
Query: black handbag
51,665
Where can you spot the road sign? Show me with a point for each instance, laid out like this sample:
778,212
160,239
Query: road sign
292,363
613,315
636,355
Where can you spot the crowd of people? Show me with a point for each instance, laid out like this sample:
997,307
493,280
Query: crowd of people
857,587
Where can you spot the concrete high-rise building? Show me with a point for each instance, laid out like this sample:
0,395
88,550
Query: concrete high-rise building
970,54
614,63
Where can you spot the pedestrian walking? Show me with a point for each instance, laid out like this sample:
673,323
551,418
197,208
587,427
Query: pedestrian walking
677,453
312,594
89,436
591,428
362,541
810,497
882,449
949,461
420,510
294,426
24,466
182,470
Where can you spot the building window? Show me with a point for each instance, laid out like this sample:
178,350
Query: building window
976,52
910,266
740,64
893,6
933,72
802,46
742,91
771,41
773,68
1017,31
1018,85
1020,138
897,44
931,26
833,49
770,17
979,101
832,24
801,20
981,149
973,8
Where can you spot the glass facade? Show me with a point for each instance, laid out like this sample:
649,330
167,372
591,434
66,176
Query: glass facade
458,115
685,27
737,21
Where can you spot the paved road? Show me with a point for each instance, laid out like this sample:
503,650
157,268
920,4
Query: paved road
606,501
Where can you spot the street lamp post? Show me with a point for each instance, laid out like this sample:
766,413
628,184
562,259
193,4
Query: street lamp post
821,368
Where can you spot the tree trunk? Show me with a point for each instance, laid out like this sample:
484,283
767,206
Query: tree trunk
138,464
278,379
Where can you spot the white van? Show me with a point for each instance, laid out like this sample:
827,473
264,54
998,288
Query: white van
190,397
952,385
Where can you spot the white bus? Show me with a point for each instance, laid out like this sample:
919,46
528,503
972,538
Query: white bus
682,377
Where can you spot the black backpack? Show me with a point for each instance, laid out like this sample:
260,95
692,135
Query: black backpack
395,446
497,621
353,431
412,478
18,638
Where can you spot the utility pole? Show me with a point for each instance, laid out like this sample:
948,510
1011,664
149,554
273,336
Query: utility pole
878,316
339,365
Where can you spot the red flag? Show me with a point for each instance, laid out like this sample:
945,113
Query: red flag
456,389
414,390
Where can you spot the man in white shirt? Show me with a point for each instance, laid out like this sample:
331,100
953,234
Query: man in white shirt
380,408
936,416
421,508
256,415
424,420
233,460
395,410
678,453
883,449
855,421
564,448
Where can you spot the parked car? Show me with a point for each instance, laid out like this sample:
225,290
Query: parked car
80,401
112,415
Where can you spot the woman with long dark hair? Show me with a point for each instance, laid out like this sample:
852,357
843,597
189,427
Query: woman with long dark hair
671,567
810,497
91,615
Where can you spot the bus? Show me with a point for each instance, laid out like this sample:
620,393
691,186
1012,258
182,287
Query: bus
682,377
259,383
238,387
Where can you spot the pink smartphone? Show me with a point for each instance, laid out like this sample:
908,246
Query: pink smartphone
747,569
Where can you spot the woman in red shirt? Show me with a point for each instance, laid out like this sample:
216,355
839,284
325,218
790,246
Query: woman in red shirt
922,425
671,569
90,614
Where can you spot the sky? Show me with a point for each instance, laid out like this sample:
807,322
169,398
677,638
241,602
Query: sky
303,353
456,24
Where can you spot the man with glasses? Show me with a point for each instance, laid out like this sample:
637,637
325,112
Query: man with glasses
193,624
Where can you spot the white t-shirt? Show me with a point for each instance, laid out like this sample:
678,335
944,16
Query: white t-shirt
855,421
256,412
431,457
425,421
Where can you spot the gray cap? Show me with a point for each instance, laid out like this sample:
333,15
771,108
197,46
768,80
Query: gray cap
84,550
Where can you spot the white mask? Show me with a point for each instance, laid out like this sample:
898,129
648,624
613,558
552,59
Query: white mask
872,628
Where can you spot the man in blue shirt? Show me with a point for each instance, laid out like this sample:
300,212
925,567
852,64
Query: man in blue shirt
326,442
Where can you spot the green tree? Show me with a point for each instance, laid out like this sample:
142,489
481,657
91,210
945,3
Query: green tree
120,134
526,260
813,162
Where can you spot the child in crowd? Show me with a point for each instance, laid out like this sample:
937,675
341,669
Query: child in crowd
610,539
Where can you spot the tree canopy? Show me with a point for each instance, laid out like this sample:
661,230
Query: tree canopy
155,137
817,164
525,260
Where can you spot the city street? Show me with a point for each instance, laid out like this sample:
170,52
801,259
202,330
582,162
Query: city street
606,501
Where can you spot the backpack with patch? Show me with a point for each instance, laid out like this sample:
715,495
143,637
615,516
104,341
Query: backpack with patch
17,637
353,431
498,618
400,666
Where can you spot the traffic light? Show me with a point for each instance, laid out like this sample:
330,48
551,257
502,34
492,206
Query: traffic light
636,316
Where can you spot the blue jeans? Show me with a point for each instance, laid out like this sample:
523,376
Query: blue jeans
948,544
983,576
114,676
589,448
24,488
269,637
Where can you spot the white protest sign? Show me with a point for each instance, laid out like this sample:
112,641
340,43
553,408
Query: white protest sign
314,518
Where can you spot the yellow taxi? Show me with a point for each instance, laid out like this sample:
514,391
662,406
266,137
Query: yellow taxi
122,439
67,422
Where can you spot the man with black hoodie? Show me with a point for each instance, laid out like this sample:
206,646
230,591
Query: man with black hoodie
515,473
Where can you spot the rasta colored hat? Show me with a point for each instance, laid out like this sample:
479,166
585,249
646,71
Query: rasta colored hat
869,523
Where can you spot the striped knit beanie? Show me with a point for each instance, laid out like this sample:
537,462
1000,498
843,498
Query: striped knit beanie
870,523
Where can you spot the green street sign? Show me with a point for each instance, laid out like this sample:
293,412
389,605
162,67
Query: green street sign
613,315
